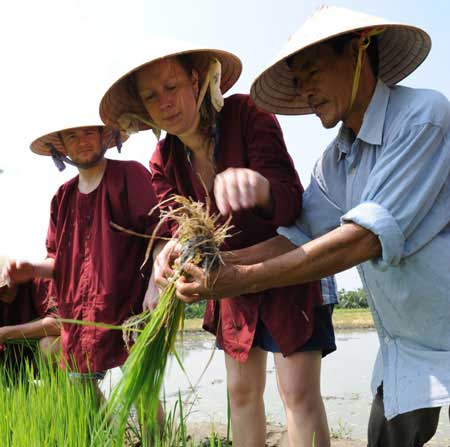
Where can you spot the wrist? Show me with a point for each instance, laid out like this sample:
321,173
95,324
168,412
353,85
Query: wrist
265,201
34,271
245,277
3,334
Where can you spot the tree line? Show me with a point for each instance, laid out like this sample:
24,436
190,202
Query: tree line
348,299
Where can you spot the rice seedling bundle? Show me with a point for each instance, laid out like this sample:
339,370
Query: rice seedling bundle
200,236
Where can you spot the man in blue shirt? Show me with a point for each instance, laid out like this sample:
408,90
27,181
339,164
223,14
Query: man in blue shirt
378,199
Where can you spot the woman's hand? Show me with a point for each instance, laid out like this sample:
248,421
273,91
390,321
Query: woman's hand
241,188
151,298
162,267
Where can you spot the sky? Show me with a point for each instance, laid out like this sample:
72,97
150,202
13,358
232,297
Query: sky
60,56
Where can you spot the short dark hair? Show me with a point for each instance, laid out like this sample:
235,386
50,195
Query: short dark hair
338,45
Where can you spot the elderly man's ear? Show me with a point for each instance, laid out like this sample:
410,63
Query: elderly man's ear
8,294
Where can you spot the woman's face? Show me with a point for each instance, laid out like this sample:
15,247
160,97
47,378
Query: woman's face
169,95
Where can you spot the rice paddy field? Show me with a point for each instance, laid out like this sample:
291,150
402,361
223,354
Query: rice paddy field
42,406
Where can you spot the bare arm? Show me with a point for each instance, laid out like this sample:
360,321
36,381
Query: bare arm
338,250
271,248
34,329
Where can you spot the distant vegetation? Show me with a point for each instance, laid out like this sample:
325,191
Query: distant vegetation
352,299
195,310
348,299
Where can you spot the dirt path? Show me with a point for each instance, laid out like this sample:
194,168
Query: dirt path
276,436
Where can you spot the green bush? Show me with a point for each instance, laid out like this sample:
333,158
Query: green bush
353,299
195,310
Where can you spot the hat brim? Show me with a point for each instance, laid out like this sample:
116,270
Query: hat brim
41,145
401,48
120,99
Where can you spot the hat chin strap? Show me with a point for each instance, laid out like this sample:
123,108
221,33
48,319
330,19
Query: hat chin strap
60,159
129,122
364,42
212,80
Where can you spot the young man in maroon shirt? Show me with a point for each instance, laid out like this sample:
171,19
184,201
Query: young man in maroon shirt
96,268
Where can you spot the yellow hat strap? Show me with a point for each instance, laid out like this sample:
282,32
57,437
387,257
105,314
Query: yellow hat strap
364,42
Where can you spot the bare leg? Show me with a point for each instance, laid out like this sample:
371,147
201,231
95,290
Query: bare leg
298,378
245,383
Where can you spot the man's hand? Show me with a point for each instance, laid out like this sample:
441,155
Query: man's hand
241,188
17,272
196,285
162,267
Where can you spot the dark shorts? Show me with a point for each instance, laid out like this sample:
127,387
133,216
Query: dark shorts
322,338
412,429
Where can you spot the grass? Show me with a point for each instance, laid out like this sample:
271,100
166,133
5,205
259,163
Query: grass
50,409
352,319
342,319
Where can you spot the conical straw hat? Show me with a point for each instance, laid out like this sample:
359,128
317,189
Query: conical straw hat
120,100
42,144
402,48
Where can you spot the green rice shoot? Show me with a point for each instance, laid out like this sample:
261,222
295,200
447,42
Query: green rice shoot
200,236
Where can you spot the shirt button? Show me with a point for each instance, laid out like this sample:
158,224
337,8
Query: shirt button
387,339
88,237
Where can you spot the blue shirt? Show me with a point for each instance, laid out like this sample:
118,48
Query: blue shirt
393,179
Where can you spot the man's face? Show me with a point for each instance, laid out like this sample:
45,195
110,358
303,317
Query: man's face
83,146
324,80
169,95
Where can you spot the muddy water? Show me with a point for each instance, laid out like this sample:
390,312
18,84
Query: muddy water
345,383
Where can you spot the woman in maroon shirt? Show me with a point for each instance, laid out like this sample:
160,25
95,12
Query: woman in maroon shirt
209,139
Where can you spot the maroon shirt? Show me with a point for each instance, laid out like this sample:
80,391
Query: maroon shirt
97,275
249,138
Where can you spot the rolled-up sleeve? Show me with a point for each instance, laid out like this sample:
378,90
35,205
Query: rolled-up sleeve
379,221
401,191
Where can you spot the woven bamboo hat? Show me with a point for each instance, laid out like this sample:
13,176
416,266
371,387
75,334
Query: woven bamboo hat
121,98
402,48
43,144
